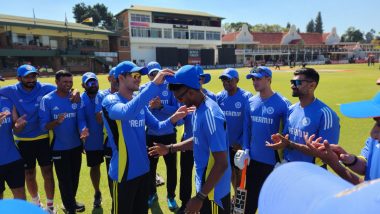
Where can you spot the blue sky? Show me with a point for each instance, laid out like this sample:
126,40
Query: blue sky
363,14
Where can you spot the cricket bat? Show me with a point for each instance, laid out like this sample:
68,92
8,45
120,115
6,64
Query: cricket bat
241,193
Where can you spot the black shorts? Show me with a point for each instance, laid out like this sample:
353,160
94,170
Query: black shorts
232,157
35,149
13,173
94,158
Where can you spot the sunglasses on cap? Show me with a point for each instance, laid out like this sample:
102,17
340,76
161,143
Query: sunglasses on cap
299,82
92,83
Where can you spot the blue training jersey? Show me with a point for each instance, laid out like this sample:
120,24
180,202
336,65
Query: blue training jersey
8,151
169,107
233,108
125,122
209,94
371,152
316,118
66,134
264,117
94,141
210,135
28,102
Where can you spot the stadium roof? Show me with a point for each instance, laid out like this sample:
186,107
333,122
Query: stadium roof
168,10
49,24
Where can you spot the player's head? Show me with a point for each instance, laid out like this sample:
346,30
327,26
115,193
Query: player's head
27,76
153,69
230,79
261,78
128,75
304,82
64,81
185,84
113,81
90,83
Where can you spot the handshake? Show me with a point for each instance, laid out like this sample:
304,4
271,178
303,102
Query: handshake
240,157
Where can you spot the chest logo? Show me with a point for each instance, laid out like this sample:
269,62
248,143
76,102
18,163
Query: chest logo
165,93
5,109
74,106
306,121
267,110
238,105
142,111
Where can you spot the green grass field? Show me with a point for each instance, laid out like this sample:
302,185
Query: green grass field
338,84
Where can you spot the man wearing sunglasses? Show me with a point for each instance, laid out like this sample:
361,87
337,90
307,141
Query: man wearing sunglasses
125,117
344,163
309,116
233,100
162,107
93,145
209,144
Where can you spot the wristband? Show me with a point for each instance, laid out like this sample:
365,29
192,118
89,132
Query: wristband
201,196
353,162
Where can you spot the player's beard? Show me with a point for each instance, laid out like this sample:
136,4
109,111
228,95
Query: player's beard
295,93
29,85
92,91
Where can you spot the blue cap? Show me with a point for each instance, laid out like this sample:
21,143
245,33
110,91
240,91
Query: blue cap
129,67
230,73
18,206
301,187
24,70
112,71
260,72
187,75
207,77
153,66
362,109
87,76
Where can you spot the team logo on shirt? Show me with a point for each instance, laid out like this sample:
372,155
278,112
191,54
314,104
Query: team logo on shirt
5,109
306,121
165,93
55,108
267,110
238,105
74,106
142,111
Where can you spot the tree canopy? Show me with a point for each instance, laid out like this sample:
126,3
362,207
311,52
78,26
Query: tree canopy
99,13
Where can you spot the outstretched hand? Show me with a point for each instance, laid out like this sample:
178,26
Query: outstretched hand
160,77
279,142
158,149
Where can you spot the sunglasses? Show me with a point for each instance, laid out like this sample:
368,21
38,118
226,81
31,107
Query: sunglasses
179,97
225,79
92,83
135,75
153,73
299,82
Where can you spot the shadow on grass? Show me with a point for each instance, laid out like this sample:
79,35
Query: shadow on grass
156,209
97,210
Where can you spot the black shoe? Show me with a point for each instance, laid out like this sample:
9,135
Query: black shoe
80,207
181,210
97,200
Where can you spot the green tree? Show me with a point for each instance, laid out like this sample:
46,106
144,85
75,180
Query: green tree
274,28
318,23
352,35
99,12
234,26
310,26
369,36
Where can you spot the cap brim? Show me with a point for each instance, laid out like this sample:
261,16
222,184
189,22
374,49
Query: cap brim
207,78
29,72
153,70
225,75
295,187
256,75
173,80
91,78
142,70
362,109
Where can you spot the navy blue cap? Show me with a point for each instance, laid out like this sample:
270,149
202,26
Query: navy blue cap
129,67
112,71
87,76
24,70
187,75
153,66
260,72
207,77
230,73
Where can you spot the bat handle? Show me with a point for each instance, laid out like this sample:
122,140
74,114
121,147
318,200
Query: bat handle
243,174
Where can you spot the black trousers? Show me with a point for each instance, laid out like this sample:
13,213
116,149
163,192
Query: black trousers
67,167
131,196
107,157
186,177
257,172
170,162
210,207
